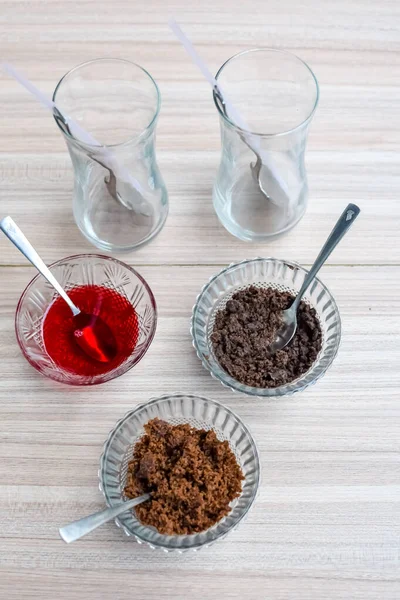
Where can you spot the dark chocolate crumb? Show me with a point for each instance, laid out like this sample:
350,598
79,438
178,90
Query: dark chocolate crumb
247,325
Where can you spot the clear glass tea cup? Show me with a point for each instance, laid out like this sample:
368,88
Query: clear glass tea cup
118,103
260,195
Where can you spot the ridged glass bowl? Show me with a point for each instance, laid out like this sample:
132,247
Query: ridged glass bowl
74,271
201,413
264,272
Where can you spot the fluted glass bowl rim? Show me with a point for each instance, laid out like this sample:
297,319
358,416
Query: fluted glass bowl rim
103,466
58,262
220,375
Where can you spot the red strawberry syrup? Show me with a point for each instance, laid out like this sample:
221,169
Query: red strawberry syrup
58,327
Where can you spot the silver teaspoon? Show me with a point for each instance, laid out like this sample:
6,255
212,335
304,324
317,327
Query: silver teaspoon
289,316
255,168
77,529
90,332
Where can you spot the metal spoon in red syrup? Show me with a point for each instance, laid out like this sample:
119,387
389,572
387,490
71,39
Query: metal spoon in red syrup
95,337
90,332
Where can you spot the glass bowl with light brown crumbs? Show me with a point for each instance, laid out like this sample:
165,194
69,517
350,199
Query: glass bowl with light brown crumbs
232,336
199,445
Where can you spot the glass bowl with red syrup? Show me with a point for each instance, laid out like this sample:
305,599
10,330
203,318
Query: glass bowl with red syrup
98,285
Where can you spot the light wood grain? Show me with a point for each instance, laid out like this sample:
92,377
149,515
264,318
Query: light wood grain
329,503
352,151
327,521
37,191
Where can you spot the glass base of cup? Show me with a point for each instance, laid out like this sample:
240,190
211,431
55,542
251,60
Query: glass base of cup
87,230
252,218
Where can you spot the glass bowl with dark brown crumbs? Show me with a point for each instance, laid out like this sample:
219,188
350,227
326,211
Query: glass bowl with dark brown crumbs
237,315
196,459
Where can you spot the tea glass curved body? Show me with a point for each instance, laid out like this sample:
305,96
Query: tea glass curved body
276,93
114,100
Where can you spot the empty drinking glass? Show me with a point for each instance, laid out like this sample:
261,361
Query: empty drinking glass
261,187
118,103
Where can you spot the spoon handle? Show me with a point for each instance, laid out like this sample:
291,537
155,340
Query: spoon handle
77,529
15,235
342,226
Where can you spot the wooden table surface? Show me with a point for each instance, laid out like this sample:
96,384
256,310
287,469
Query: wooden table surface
327,521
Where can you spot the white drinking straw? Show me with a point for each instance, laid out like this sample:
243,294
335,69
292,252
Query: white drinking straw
81,134
251,140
